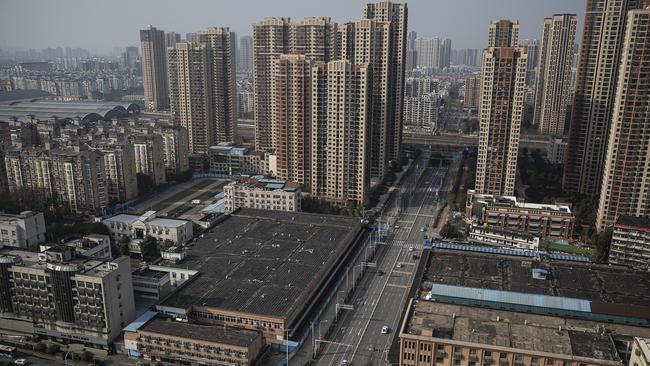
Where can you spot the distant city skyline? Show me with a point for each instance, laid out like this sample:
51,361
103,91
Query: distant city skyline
103,26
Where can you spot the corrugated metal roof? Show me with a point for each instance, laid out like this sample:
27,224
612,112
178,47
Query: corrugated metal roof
507,297
142,320
484,249
568,257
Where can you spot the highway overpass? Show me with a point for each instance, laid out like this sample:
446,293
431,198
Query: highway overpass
458,141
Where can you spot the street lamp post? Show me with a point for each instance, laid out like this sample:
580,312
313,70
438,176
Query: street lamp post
286,343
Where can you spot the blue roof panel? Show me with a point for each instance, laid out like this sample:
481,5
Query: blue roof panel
508,297
142,320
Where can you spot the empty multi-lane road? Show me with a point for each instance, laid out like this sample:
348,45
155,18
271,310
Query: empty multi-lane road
380,296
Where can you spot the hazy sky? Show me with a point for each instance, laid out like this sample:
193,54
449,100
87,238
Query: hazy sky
104,24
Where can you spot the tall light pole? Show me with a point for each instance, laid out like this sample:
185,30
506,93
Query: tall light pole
286,342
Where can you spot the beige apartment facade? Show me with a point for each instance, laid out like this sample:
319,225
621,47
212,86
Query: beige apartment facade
626,181
597,75
503,33
503,88
291,117
190,94
154,68
553,80
340,164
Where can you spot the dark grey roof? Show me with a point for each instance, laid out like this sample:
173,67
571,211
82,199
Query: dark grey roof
591,282
263,262
211,333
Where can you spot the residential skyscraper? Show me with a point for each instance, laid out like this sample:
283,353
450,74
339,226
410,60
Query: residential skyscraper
369,41
444,54
553,80
397,15
427,51
191,94
171,38
245,53
313,37
154,68
466,56
503,33
625,185
532,50
341,131
594,95
270,40
503,85
221,48
411,59
291,117
472,91
202,88
410,40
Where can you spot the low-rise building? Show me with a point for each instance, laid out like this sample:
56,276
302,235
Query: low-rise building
151,284
138,227
236,160
265,194
503,307
92,246
224,282
506,212
494,236
446,334
170,340
556,150
630,245
640,355
25,230
60,295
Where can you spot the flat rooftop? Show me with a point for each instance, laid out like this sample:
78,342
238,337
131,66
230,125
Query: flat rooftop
511,201
86,266
209,333
593,282
263,262
534,333
149,273
152,221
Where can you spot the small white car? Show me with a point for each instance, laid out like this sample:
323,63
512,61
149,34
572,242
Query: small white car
384,329
396,226
344,362
411,249
422,229
399,265
21,361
